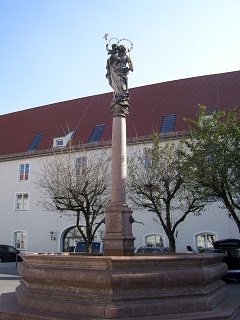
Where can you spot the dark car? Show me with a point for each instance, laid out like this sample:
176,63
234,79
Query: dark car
207,250
9,254
231,248
153,250
97,247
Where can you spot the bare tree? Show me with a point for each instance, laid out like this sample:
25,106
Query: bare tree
78,187
160,181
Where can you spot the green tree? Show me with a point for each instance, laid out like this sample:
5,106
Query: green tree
214,155
76,186
160,182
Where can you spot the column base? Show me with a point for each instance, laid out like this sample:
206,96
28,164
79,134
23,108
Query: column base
118,238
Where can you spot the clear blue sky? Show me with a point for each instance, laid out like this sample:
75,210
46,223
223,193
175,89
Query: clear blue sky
53,50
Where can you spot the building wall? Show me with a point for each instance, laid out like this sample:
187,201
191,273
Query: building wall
38,224
213,220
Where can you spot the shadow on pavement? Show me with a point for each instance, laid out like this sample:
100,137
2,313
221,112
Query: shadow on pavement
8,268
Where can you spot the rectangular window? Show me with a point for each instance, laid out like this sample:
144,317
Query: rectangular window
20,240
168,123
35,143
59,142
96,133
23,171
147,160
22,202
154,240
80,165
206,120
150,157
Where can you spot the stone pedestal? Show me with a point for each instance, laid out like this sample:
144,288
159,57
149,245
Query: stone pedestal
154,287
118,238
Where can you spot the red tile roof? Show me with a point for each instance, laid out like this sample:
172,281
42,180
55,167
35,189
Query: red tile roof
148,105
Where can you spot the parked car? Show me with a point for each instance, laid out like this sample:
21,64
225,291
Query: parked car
231,248
207,250
153,250
71,249
9,254
97,247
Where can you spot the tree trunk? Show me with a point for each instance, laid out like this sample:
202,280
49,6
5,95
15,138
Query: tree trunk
232,211
172,243
88,246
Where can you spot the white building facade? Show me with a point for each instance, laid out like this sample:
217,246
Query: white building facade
25,225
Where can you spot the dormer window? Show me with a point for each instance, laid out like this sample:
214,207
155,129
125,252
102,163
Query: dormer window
62,141
35,142
206,120
59,142
168,123
96,133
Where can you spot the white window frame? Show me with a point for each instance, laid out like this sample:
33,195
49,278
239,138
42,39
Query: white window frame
20,206
24,173
155,235
149,161
206,242
205,120
20,244
61,142
80,165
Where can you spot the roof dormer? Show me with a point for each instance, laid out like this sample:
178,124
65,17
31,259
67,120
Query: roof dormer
61,142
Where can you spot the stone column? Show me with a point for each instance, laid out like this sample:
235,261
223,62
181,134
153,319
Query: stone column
118,237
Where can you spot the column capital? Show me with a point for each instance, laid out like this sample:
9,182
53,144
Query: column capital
120,109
